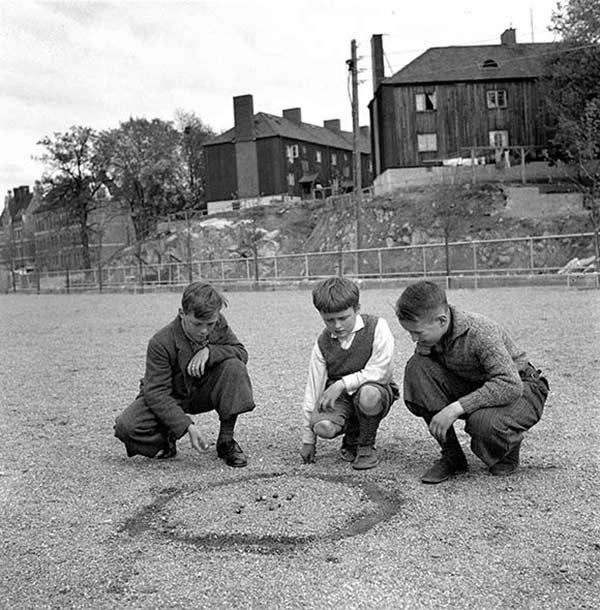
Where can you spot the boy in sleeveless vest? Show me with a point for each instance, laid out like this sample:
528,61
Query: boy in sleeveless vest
350,387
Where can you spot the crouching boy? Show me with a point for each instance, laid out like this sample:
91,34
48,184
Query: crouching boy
194,364
350,387
467,366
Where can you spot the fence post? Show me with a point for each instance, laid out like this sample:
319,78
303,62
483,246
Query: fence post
380,264
475,263
141,272
67,281
248,269
306,266
531,254
222,271
37,281
424,262
275,267
99,277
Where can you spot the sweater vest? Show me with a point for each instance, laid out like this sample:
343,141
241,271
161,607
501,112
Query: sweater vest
340,362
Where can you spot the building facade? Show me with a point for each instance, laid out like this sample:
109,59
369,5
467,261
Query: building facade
459,102
265,155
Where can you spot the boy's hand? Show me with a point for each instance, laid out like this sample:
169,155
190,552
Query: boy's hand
198,363
196,439
330,395
308,453
443,419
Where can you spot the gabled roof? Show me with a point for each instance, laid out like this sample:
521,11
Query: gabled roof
269,125
448,64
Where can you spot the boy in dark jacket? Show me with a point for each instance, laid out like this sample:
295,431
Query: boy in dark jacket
194,364
350,387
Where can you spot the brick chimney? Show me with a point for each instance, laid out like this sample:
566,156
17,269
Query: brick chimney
246,159
508,37
332,124
293,114
243,114
377,60
365,131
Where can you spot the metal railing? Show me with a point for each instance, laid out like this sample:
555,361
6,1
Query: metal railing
471,263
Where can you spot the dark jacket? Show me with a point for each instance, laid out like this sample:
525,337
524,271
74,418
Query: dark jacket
166,384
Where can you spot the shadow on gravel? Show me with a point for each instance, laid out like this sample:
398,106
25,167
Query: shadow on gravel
154,517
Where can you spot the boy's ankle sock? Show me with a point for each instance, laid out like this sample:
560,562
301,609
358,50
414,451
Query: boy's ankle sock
368,429
226,430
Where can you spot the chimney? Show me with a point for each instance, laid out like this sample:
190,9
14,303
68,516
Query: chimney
508,37
332,124
377,60
293,114
365,131
243,113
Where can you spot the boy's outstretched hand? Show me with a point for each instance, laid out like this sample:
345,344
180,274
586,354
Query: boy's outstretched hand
308,453
196,439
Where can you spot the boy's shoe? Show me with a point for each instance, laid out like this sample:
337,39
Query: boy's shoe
232,453
443,469
348,452
169,450
508,465
366,457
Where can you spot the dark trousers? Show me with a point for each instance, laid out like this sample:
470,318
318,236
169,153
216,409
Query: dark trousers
226,389
494,431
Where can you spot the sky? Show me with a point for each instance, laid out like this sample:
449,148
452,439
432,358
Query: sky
97,64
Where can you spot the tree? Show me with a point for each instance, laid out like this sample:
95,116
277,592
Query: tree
142,158
573,95
73,179
194,133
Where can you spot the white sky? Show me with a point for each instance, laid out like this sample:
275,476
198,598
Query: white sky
98,63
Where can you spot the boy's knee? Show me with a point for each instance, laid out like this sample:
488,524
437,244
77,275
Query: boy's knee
326,429
122,427
370,400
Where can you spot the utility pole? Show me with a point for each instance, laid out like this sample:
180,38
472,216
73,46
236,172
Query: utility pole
353,68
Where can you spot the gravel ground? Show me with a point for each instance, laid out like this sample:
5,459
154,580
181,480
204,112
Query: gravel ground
82,526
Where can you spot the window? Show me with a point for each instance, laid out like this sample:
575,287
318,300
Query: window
499,139
333,159
291,152
427,142
304,164
425,102
496,98
291,179
318,156
489,63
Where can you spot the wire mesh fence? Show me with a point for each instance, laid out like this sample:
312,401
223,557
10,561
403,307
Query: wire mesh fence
469,263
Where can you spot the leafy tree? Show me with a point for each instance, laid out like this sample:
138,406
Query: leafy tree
73,179
142,158
194,134
573,94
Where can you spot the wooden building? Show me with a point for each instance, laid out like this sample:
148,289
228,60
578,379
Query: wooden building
266,155
459,101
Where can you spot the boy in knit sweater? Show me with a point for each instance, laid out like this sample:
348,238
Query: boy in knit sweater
350,387
467,366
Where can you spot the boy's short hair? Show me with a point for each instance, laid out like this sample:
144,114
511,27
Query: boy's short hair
335,294
420,300
202,300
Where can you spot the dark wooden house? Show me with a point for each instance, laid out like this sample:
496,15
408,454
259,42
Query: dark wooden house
450,101
266,155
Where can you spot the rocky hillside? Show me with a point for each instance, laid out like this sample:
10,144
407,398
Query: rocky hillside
393,220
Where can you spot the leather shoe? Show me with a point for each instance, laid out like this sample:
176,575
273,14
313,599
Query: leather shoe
348,453
169,450
508,465
366,457
232,453
443,469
